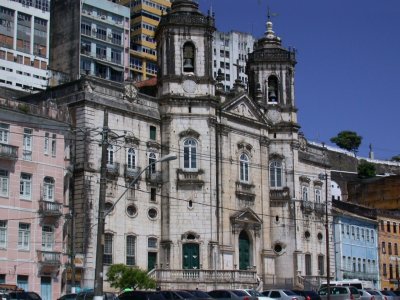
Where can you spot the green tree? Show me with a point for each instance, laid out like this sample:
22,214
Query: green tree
395,158
122,276
366,169
348,140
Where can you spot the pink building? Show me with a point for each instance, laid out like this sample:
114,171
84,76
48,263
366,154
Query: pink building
33,196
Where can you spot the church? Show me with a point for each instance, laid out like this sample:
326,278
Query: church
244,202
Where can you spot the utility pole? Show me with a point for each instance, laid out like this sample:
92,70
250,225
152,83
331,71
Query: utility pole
321,177
98,279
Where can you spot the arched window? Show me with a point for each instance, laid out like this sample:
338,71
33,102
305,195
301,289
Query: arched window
304,193
318,196
131,158
190,154
275,170
48,189
188,57
244,167
152,160
273,91
110,155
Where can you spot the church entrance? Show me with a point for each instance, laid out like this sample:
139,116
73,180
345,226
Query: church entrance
191,256
244,251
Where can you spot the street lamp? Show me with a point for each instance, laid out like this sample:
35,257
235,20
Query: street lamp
98,280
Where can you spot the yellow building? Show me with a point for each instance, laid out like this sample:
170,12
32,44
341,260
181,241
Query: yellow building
389,243
145,16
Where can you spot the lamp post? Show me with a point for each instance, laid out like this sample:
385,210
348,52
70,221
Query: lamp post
98,281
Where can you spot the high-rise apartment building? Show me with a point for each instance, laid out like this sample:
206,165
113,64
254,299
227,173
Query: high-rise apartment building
230,51
24,40
145,16
89,37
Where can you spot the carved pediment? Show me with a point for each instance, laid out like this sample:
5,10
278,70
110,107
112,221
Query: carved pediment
246,216
244,107
246,220
243,110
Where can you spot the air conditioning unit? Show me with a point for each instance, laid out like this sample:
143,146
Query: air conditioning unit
103,17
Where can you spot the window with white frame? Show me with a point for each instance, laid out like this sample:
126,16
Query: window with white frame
24,234
130,250
25,186
27,144
275,172
3,234
108,249
48,189
190,154
131,158
244,167
110,155
317,195
4,182
54,145
304,193
152,160
46,143
47,238
4,133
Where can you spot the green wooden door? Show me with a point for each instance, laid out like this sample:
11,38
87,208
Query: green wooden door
151,260
244,251
191,256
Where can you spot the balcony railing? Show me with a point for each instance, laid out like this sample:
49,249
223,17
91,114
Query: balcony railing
49,257
283,194
132,172
113,169
154,177
319,208
187,276
307,206
50,208
190,178
8,152
245,191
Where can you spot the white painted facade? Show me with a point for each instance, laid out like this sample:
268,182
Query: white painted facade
24,58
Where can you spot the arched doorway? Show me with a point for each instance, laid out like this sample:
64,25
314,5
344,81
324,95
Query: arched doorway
244,251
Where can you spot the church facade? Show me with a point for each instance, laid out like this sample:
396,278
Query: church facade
244,203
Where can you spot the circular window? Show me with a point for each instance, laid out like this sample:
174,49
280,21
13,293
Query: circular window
307,235
320,236
108,207
152,213
131,210
278,248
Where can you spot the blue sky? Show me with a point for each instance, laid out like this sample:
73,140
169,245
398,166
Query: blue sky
348,70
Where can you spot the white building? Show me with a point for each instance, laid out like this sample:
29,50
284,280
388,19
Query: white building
24,44
89,37
230,53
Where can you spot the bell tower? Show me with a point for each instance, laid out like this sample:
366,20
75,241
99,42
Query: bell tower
270,70
184,47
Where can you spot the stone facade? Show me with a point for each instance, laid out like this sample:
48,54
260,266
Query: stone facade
243,205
